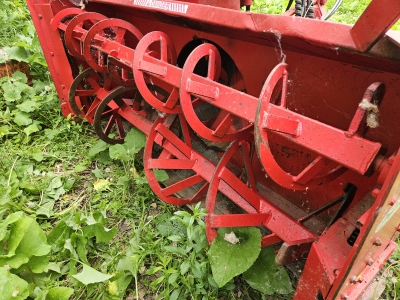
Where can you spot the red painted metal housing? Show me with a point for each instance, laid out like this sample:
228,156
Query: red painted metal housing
310,108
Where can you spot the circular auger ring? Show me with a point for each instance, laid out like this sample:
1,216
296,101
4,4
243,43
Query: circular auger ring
325,170
165,150
77,90
240,189
223,129
140,65
64,14
82,20
119,28
111,113
117,111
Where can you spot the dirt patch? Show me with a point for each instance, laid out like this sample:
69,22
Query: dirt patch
10,67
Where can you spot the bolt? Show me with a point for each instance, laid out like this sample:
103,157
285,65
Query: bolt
336,272
370,262
393,200
353,279
52,53
375,193
63,87
40,16
113,53
345,297
360,279
378,242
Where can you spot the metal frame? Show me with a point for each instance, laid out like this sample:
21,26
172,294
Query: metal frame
299,91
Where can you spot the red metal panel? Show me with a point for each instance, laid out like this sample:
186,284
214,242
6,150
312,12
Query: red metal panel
363,280
53,50
382,222
325,261
339,34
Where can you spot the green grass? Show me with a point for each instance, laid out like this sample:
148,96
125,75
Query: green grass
348,12
108,236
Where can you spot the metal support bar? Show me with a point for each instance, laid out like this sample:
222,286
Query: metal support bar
378,17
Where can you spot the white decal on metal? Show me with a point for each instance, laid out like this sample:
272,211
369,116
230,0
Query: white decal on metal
177,7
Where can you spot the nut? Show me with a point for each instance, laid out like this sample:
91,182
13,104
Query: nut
375,192
393,200
353,279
